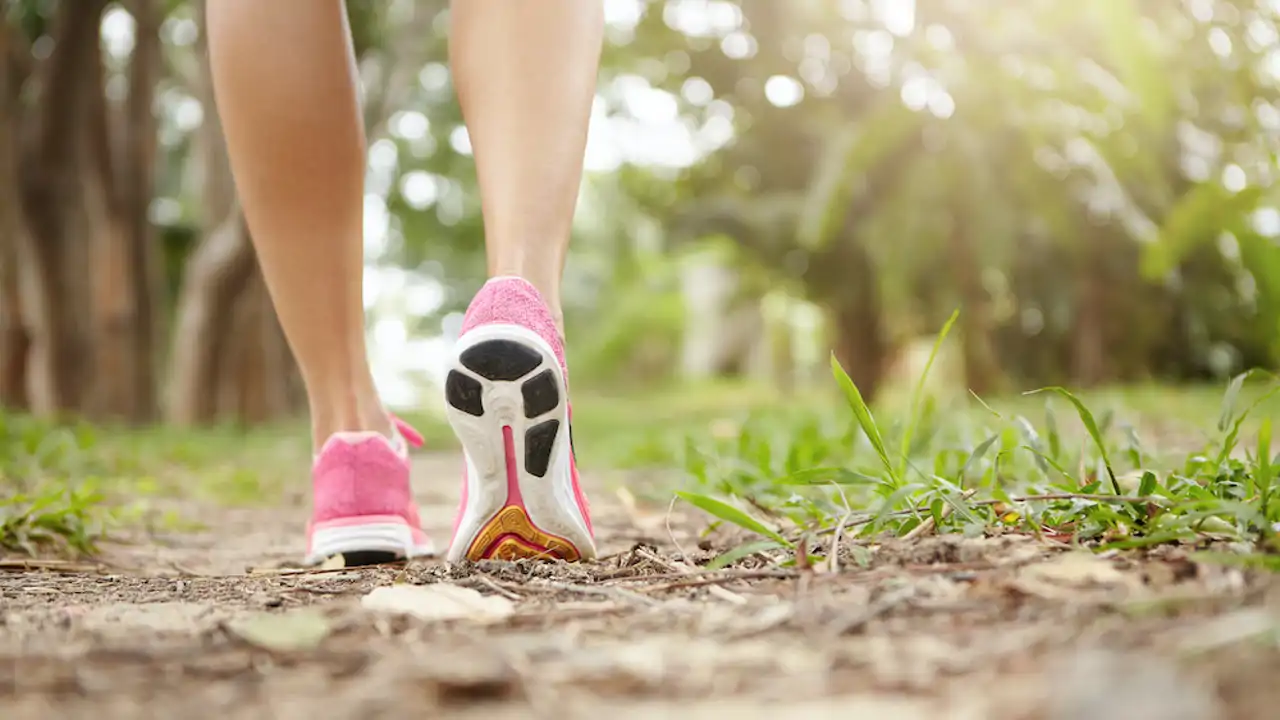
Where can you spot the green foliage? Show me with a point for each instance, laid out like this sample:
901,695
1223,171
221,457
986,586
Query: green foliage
1057,170
725,511
57,519
918,395
1095,434
991,471
41,509
867,422
633,329
64,486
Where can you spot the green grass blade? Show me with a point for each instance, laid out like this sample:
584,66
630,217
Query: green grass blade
1148,484
1229,443
898,501
917,396
729,513
863,414
828,475
1055,439
1051,463
730,557
1265,474
1091,426
1229,400
976,457
985,406
960,504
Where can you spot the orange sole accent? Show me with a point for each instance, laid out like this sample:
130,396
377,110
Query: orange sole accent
510,535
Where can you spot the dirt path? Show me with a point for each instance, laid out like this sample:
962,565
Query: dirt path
1003,628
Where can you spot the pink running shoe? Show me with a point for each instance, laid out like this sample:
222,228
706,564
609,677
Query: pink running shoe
363,508
507,401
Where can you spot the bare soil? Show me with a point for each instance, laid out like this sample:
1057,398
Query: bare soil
1006,628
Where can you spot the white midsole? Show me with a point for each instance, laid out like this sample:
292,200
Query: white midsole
549,501
394,538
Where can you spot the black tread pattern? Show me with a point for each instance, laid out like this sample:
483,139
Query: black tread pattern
359,558
540,394
538,442
464,393
501,360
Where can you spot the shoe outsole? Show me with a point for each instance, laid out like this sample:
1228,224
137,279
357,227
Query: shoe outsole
359,558
511,431
367,540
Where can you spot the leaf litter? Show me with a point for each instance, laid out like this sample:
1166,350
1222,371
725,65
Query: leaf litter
437,602
1007,627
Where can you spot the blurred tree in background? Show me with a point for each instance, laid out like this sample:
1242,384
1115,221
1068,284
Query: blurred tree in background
1091,183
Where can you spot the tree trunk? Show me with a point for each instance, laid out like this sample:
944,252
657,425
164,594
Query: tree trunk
138,180
53,203
857,321
1088,333
15,343
229,358
255,383
14,340
214,274
859,345
981,371
844,280
126,273
217,273
112,314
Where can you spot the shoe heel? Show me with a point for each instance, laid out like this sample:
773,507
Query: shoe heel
507,404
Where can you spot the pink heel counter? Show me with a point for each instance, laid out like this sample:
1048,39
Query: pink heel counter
515,301
362,478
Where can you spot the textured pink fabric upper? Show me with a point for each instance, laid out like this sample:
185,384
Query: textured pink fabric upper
364,473
515,301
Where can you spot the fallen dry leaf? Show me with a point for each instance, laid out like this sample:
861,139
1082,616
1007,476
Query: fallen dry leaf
1069,575
438,602
1076,568
290,632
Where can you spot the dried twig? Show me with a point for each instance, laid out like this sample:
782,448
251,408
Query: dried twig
860,617
929,524
64,566
834,563
658,560
493,585
804,566
325,591
270,572
680,567
713,581
720,575
670,533
611,592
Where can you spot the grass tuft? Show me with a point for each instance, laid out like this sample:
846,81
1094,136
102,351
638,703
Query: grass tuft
55,520
976,470
64,486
